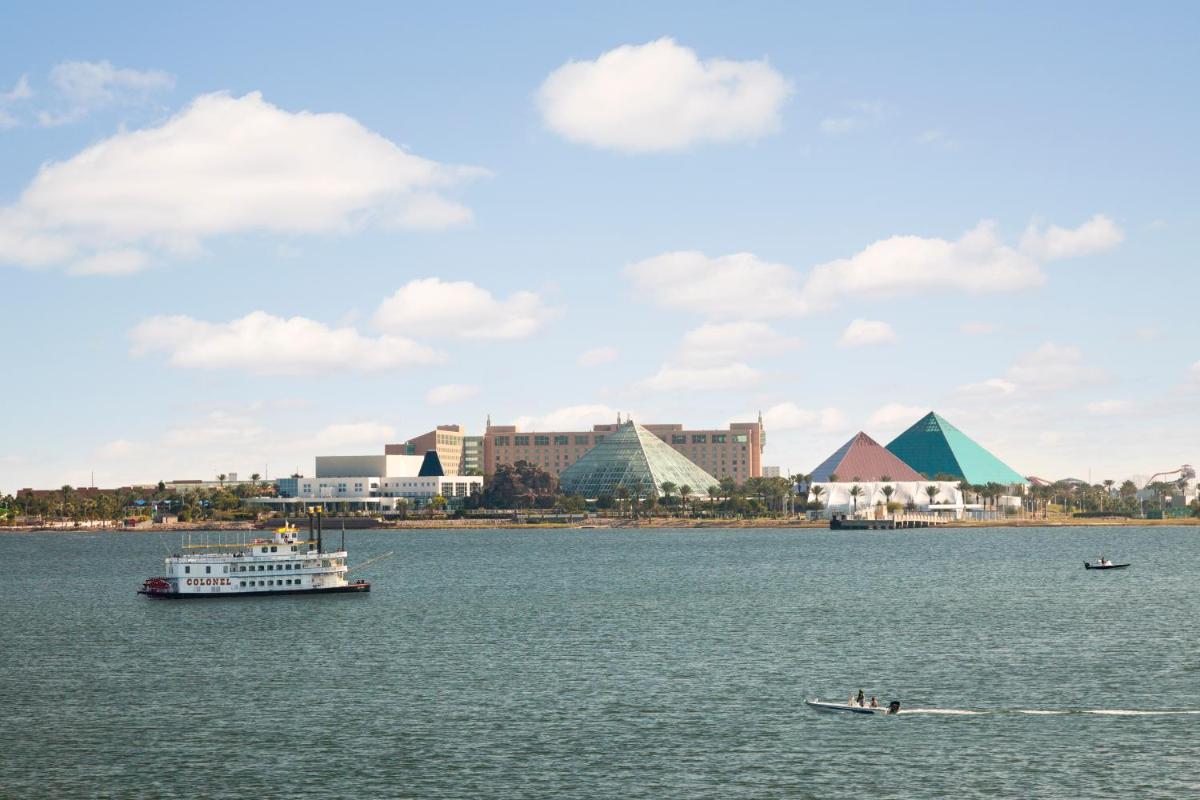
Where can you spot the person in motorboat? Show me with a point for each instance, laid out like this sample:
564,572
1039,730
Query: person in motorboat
1104,562
861,700
894,707
874,702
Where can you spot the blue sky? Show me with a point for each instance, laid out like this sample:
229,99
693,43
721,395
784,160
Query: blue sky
237,236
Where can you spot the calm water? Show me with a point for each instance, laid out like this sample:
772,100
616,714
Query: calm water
614,664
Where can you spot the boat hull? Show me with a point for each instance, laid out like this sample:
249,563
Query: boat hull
842,708
1086,565
350,588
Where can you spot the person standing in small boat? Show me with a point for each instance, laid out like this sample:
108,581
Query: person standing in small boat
861,700
874,702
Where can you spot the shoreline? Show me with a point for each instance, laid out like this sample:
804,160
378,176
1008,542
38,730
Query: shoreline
616,524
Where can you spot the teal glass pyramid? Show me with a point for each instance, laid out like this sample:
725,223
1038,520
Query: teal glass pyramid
635,458
935,447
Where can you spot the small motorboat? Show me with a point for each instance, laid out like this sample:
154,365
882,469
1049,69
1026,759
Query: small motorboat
848,708
1105,565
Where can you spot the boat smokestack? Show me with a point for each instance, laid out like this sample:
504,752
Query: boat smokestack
319,530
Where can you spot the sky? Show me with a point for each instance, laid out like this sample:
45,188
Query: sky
236,236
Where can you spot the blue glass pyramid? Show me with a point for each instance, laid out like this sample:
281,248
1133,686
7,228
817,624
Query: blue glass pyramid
935,447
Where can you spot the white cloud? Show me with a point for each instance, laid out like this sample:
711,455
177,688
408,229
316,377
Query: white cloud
217,428
738,285
570,418
712,357
977,328
348,433
1109,408
661,96
224,165
676,378
991,386
864,115
1049,243
1053,367
978,262
7,120
112,262
864,332
433,307
744,286
732,341
268,345
450,393
931,136
84,86
119,449
788,416
894,414
597,356
20,91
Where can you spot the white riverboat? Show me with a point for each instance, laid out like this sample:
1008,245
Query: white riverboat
282,563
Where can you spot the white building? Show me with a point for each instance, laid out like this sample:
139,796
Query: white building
837,499
384,483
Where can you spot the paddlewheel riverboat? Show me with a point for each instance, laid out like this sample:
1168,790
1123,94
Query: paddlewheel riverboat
280,564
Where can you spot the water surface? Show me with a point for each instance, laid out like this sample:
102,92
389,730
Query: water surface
618,664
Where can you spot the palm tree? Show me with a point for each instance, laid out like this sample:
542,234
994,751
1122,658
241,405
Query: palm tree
622,494
816,492
668,490
221,479
684,492
888,491
714,492
1108,487
855,492
933,491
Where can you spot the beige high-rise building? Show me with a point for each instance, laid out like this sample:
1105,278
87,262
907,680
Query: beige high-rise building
447,440
734,452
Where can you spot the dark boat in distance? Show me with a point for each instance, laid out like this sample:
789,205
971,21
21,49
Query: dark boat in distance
1086,565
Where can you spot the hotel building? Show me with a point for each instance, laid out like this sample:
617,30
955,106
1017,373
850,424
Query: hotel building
735,452
447,440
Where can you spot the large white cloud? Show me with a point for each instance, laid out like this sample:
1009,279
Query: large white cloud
431,307
744,286
740,285
1049,242
268,345
223,165
977,262
661,96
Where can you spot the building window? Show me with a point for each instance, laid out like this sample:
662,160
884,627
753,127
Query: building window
581,440
718,438
187,570
678,438
541,440
741,438
502,441
562,439
521,441
699,438
599,439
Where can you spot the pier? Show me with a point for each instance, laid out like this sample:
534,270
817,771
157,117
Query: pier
914,520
